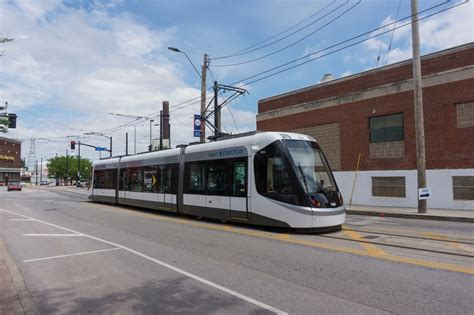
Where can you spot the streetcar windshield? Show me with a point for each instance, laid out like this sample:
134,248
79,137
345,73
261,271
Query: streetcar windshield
311,166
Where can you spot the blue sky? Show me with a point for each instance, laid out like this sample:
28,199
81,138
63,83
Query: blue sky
73,62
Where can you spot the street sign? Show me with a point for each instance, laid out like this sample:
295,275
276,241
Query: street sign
424,193
197,125
100,149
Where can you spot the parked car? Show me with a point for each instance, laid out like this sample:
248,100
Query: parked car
14,186
44,183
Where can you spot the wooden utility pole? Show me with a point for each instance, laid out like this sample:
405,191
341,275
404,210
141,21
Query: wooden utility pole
419,123
203,98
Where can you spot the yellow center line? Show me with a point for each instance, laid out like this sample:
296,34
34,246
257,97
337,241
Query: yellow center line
292,240
371,248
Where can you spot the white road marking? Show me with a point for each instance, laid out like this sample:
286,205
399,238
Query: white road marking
159,262
21,220
69,255
53,235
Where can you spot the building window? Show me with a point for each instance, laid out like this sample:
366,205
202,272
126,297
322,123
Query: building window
463,187
465,115
388,187
386,128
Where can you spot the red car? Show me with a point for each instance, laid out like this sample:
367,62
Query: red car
14,186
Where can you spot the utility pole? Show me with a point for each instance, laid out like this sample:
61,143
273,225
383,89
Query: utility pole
418,92
203,98
36,173
151,145
41,171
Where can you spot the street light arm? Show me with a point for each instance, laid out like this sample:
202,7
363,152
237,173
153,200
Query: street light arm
192,64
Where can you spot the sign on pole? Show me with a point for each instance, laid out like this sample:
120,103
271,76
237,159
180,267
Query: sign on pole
424,193
197,125
100,149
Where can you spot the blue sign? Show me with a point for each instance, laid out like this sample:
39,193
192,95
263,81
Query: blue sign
100,149
197,125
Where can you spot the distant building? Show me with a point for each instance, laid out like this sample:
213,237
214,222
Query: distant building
372,114
10,160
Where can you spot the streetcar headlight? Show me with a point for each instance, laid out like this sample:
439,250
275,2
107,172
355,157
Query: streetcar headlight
318,200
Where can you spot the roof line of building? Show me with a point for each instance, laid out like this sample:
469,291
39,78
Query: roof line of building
371,71
9,139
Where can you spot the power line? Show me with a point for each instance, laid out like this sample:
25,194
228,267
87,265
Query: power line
381,42
247,50
297,41
346,41
391,38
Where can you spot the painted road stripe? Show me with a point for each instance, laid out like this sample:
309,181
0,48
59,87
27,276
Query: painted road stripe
21,220
292,240
159,262
69,255
53,235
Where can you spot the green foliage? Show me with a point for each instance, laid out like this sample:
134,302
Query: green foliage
57,167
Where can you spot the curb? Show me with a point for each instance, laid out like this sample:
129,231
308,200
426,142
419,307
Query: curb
24,295
411,216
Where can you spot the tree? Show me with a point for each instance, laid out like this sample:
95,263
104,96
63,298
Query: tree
57,167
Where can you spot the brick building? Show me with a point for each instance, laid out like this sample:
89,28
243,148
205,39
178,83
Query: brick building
10,160
372,114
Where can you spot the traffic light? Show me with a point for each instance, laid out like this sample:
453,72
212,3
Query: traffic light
73,145
12,121
149,147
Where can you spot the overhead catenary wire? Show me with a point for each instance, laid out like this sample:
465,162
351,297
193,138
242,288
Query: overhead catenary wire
347,41
249,49
295,42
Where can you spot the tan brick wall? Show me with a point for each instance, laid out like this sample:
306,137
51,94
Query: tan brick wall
387,150
328,137
465,115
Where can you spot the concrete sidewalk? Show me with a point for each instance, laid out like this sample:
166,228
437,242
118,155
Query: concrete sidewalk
412,213
15,298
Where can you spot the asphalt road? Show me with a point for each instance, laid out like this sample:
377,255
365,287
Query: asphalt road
80,257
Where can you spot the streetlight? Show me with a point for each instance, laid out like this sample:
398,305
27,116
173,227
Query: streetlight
179,51
203,88
102,135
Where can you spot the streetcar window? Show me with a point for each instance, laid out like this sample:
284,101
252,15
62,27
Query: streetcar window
272,175
216,178
105,179
136,179
239,178
149,179
195,178
124,179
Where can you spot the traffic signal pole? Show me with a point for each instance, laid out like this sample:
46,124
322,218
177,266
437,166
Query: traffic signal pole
203,98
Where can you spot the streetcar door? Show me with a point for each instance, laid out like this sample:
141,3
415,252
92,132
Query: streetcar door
238,189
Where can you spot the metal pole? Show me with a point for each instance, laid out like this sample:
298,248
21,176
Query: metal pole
78,162
203,98
134,139
217,122
111,147
67,167
36,173
41,171
161,130
151,145
126,143
169,133
418,93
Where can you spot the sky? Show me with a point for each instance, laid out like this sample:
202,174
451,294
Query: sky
72,63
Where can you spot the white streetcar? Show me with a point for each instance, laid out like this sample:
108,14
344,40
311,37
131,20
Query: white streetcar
276,179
